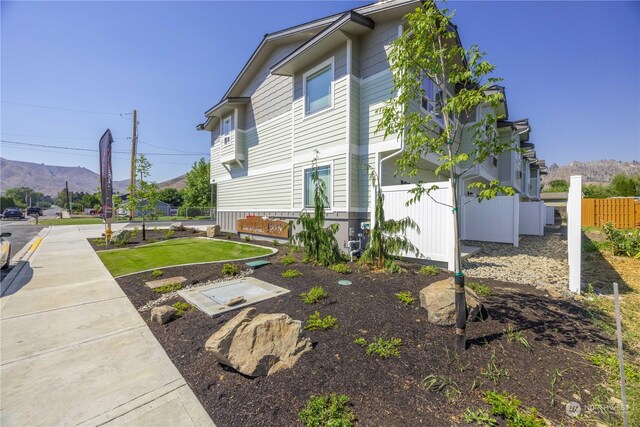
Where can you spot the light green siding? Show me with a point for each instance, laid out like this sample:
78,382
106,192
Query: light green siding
269,143
270,191
373,94
324,129
338,166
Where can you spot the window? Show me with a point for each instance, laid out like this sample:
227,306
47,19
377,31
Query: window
324,173
227,128
318,90
432,102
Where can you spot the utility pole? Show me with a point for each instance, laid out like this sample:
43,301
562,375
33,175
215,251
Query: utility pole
134,141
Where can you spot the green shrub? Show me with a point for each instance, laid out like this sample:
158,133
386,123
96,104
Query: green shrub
315,322
157,273
405,297
169,234
316,293
290,274
360,341
508,407
247,238
479,417
229,269
181,307
122,238
329,411
170,287
381,347
392,267
623,242
518,336
275,242
430,270
287,260
479,288
341,268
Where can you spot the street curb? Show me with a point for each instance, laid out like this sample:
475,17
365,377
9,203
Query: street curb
20,260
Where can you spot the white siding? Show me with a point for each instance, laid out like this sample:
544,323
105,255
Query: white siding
264,192
269,143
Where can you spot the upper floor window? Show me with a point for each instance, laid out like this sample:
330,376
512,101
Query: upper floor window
432,101
317,88
324,173
227,125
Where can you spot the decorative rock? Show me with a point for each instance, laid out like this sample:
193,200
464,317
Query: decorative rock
161,282
176,226
439,301
162,314
213,231
258,345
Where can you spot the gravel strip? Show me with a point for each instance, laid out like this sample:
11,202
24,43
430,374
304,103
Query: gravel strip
540,261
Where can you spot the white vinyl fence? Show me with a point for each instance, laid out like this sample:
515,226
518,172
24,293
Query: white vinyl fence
551,215
435,237
494,220
533,216
574,232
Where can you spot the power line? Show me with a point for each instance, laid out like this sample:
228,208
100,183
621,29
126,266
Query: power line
58,147
163,148
59,137
59,108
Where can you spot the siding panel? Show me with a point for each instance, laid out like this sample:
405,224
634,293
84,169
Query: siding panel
374,48
242,193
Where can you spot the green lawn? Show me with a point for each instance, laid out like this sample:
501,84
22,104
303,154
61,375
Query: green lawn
69,221
175,252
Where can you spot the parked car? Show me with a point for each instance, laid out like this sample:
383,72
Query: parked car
13,213
34,211
6,250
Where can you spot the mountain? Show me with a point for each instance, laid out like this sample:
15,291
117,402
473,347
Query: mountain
178,183
50,180
598,171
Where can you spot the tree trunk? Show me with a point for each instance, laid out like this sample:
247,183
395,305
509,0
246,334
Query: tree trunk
460,299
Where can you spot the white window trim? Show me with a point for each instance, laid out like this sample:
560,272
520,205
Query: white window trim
328,163
226,137
331,61
439,122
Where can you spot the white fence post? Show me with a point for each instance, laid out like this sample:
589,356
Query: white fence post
515,221
574,232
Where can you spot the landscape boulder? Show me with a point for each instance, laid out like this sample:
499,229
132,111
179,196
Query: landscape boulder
439,301
162,314
259,345
213,231
176,226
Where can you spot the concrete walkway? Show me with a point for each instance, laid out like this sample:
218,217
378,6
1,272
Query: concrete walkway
74,350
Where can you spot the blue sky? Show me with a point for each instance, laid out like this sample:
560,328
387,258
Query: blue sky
572,68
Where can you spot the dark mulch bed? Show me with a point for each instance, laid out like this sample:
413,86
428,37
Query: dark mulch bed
387,392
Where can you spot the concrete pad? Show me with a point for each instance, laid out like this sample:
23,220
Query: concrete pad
31,335
84,381
169,280
211,299
34,299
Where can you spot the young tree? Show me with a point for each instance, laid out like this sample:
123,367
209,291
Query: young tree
318,242
429,49
197,193
386,238
143,194
557,185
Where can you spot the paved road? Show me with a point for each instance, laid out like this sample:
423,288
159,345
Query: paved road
21,233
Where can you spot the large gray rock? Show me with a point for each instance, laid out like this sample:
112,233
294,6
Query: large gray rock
213,231
259,345
162,314
176,226
439,301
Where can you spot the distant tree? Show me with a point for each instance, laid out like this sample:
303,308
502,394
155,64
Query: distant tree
20,195
6,202
556,186
90,201
624,185
595,191
197,193
172,196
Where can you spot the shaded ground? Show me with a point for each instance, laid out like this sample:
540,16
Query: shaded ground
388,392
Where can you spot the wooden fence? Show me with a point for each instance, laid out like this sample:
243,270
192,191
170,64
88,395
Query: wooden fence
622,212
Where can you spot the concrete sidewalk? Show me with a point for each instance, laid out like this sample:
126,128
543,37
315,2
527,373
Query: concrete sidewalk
74,350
